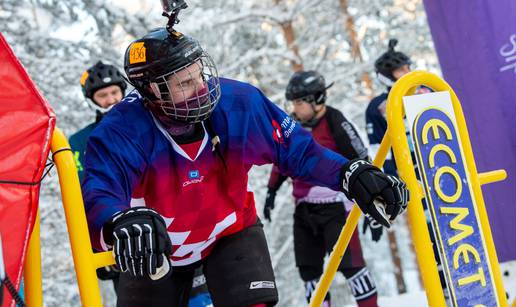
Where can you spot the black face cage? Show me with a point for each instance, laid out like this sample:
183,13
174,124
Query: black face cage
190,93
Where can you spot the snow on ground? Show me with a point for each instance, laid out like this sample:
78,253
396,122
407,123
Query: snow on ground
411,299
508,270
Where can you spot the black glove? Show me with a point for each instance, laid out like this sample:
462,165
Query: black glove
378,195
141,244
269,204
108,272
376,228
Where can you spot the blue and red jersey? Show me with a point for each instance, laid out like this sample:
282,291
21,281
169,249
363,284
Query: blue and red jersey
132,161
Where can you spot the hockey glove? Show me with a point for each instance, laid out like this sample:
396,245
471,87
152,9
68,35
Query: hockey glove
378,195
269,204
108,272
376,228
141,244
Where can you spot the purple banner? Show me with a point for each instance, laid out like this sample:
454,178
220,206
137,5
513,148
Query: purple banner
476,44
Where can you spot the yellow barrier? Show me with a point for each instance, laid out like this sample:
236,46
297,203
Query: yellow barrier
396,136
86,262
406,168
32,269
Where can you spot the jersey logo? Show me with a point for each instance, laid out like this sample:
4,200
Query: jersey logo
193,177
277,135
77,157
193,174
264,284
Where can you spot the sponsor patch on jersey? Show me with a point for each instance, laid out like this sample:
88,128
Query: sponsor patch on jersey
264,284
193,174
193,177
137,53
277,135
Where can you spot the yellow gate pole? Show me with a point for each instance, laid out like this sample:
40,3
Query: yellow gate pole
345,236
32,268
85,261
406,171
83,256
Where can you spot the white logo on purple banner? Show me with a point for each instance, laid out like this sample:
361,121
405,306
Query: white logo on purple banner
508,51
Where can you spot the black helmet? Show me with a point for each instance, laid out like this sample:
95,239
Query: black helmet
390,61
307,85
152,60
99,76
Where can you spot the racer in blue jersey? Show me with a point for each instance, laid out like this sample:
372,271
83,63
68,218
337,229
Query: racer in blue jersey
104,86
166,183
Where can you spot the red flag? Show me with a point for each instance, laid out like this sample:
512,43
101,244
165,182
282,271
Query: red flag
26,126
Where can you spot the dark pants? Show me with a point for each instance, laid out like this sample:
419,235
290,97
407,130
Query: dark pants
238,273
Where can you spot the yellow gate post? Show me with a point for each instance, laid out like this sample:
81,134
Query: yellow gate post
431,276
396,137
396,129
32,268
85,261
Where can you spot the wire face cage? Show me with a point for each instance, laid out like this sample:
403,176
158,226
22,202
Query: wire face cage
190,93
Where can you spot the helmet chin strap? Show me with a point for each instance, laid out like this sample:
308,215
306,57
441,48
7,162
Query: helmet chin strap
98,108
385,80
99,111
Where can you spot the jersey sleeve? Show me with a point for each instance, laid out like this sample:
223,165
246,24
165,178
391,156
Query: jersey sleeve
276,179
276,138
346,135
113,166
